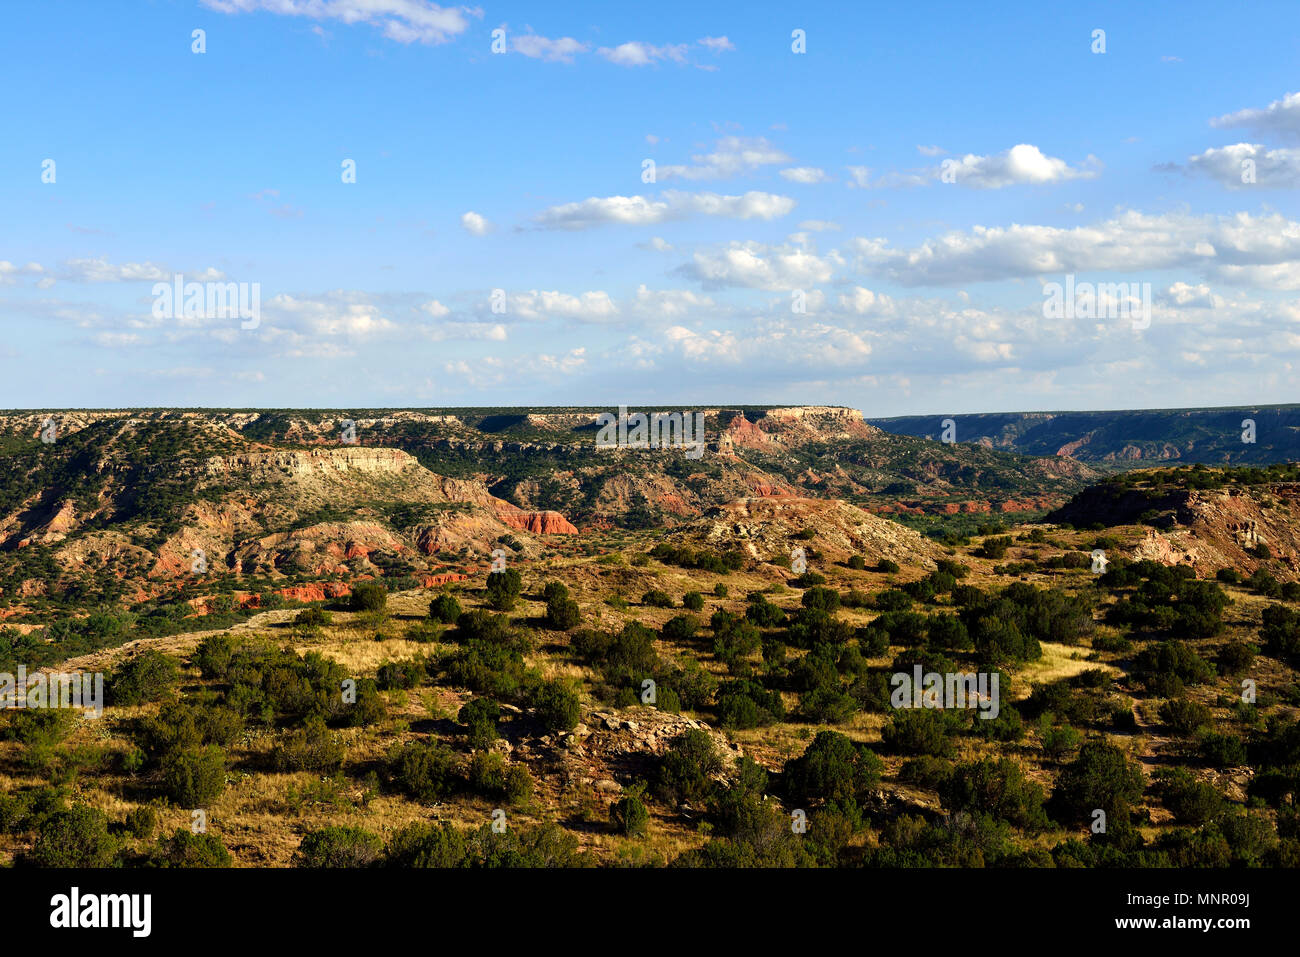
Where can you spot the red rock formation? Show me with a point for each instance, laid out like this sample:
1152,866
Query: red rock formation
538,523
444,578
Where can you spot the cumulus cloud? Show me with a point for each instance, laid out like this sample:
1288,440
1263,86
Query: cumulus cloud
405,21
756,265
636,53
474,224
641,210
1022,164
864,302
670,303
9,272
860,178
804,174
334,314
1239,248
717,44
594,306
1279,117
732,155
561,50
1228,165
101,270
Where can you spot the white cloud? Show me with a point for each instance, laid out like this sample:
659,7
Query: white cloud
717,44
405,21
636,53
865,302
640,210
731,156
1022,164
759,266
334,314
930,150
1278,167
1280,116
670,303
594,306
1263,249
860,178
804,174
560,50
8,272
101,270
475,224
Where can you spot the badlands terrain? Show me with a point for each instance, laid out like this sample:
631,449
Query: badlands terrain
470,637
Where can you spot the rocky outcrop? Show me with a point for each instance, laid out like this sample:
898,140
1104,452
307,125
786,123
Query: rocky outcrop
538,523
765,528
316,461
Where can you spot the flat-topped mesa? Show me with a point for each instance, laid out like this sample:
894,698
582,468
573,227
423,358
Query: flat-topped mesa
798,413
791,426
319,461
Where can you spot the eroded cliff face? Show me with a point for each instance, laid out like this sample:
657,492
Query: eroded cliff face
308,462
765,528
1208,529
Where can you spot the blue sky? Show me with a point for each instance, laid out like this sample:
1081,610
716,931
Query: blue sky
779,176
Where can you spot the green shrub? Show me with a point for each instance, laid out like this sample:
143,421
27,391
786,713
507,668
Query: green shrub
1222,750
147,676
313,618
75,837
918,731
1101,777
562,613
339,847
480,717
518,786
368,596
504,588
680,628
186,849
1183,716
996,788
313,747
212,657
629,816
832,769
425,770
693,600
558,707
487,773
686,770
656,598
141,822
1191,802
194,777
444,608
